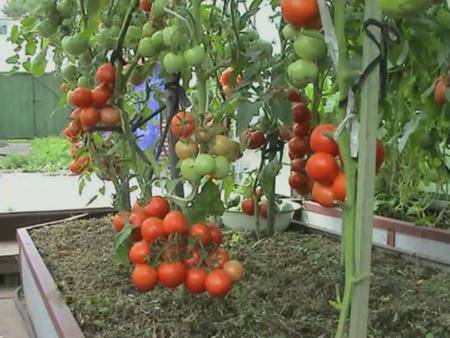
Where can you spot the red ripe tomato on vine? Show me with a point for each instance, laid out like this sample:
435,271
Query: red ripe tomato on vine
183,124
300,13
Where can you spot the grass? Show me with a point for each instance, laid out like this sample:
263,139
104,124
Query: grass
48,154
289,280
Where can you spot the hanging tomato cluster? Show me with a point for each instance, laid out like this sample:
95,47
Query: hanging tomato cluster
299,149
323,166
168,250
303,21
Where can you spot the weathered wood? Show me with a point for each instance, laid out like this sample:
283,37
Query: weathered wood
365,184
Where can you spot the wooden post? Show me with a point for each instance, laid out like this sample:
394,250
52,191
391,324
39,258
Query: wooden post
365,184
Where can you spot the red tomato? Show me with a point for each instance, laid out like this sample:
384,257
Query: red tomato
152,228
323,195
299,13
216,234
248,206
80,97
299,147
322,168
220,257
118,220
218,283
139,252
293,95
257,139
183,124
380,154
145,5
301,113
75,115
144,277
195,280
157,207
284,133
138,207
201,231
301,130
234,269
106,73
305,190
136,218
298,181
263,209
298,165
172,275
175,222
339,187
224,78
89,117
440,89
136,235
322,143
110,116
193,259
101,95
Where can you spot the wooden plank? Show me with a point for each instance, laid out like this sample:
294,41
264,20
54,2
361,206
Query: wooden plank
365,194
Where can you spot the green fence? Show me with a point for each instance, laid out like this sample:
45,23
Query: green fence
26,106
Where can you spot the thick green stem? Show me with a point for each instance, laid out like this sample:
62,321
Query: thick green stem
201,76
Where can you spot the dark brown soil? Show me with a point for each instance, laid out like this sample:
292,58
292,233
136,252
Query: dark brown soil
290,279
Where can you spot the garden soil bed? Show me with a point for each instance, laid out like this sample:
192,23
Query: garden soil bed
290,279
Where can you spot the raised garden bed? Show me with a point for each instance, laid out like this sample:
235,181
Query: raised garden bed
426,243
290,279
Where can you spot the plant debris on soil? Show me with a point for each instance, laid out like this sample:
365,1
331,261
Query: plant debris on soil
290,279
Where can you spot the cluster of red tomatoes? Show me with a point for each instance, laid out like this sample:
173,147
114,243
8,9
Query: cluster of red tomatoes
299,148
225,81
168,250
248,205
203,151
329,184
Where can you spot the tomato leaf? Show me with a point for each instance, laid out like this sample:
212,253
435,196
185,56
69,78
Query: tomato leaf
246,111
281,109
121,245
267,176
12,59
92,200
14,36
409,128
207,202
39,63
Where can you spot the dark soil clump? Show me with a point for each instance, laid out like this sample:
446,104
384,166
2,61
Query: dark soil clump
289,280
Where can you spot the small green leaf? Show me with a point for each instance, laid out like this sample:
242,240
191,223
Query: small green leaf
92,200
12,59
281,109
268,174
121,244
207,202
102,190
14,36
39,63
246,111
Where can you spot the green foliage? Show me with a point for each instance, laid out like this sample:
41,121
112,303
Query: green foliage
18,8
49,154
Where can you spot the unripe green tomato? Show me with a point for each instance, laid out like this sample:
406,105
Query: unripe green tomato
302,72
310,45
83,81
248,35
195,56
205,164
158,40
132,37
172,37
148,30
74,45
139,19
69,73
107,38
188,171
289,32
222,167
85,58
173,63
65,8
146,48
158,8
399,8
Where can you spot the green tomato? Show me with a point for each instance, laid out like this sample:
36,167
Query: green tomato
248,35
310,45
146,48
222,167
173,63
148,30
195,56
205,164
92,7
47,28
172,37
85,58
158,40
83,81
74,45
302,72
158,8
107,38
69,73
132,37
65,8
139,19
399,8
289,32
188,170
